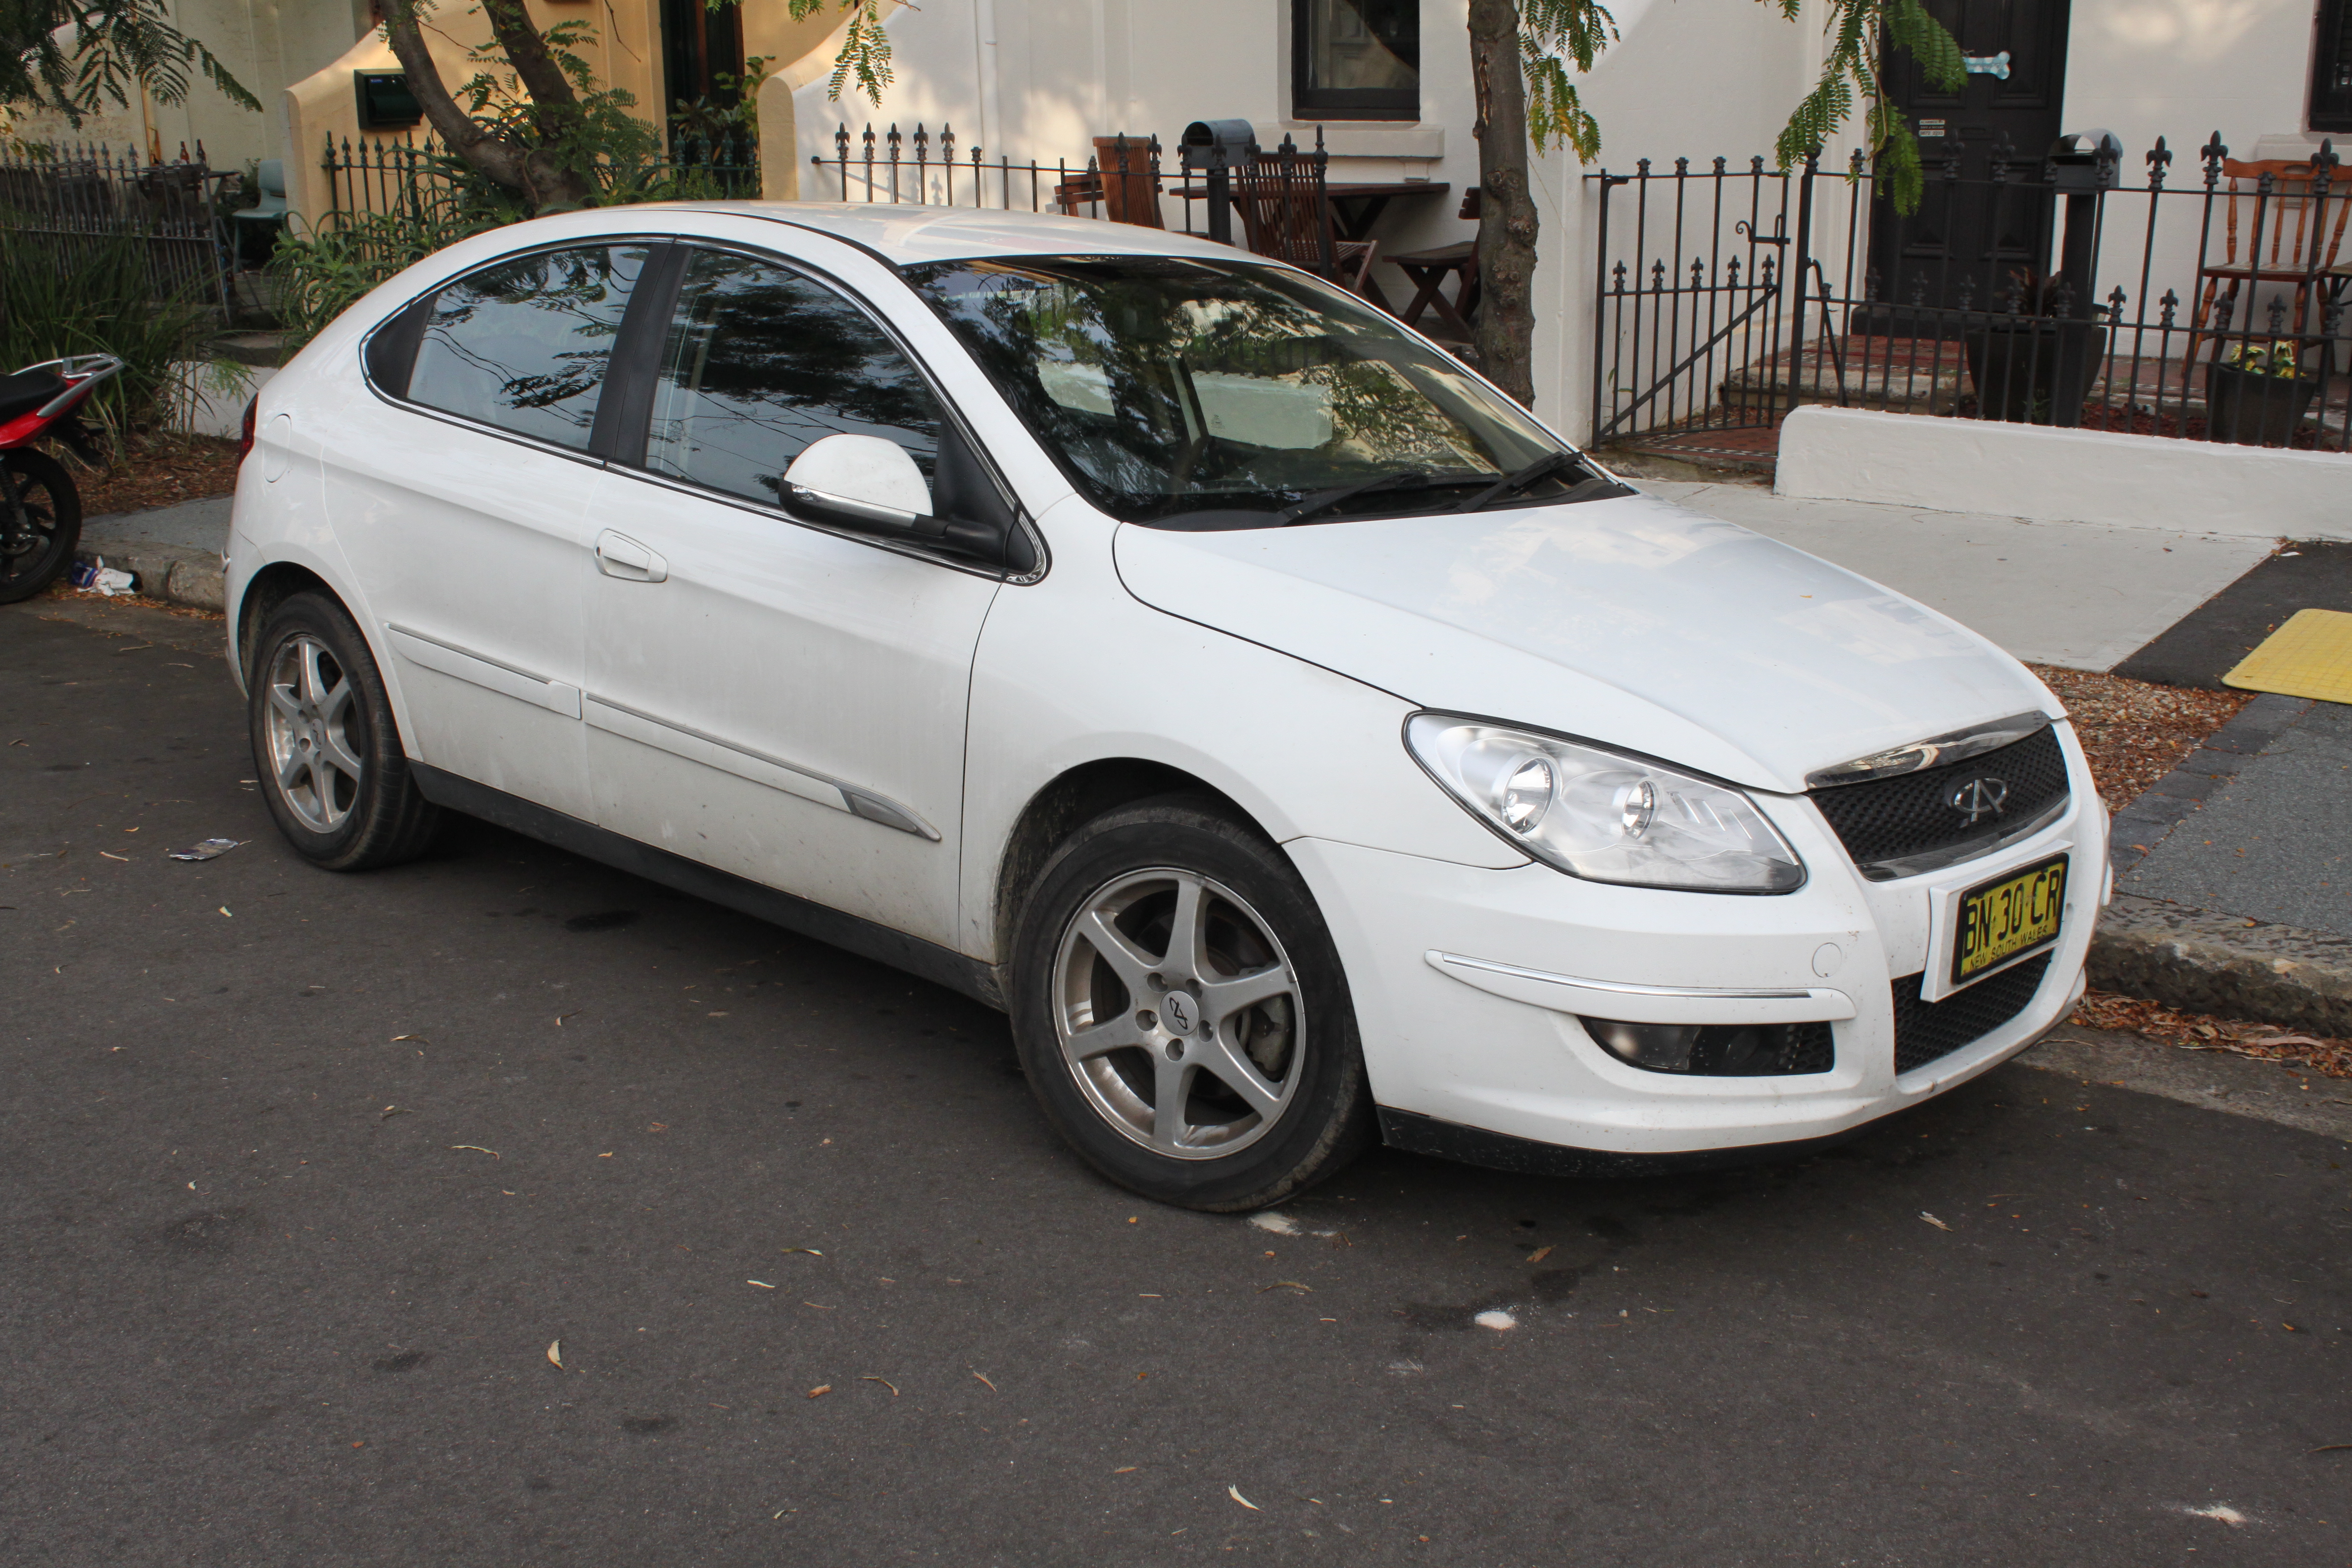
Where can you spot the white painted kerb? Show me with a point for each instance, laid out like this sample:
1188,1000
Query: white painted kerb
2046,475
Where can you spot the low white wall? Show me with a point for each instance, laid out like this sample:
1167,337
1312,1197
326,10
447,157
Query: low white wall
211,395
2063,476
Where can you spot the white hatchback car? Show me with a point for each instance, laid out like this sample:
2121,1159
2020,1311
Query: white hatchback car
1305,745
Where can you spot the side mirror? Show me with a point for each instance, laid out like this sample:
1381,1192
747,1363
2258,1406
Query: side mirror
868,482
865,478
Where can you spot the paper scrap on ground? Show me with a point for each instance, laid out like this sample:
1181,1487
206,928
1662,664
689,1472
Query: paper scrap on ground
2311,656
211,848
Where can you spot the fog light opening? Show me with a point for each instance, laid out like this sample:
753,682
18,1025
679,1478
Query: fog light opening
1717,1050
1661,1047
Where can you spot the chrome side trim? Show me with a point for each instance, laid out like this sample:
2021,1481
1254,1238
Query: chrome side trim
1936,859
1920,756
1646,1004
461,664
757,767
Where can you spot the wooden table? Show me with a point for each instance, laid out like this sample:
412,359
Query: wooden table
1356,206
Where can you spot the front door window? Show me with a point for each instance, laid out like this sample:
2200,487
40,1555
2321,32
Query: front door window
760,363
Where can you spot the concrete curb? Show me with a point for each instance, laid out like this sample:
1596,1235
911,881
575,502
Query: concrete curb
2222,965
174,573
2203,962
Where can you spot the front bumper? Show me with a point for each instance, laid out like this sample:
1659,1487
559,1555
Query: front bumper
1494,1046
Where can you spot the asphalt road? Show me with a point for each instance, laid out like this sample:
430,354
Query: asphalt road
304,1176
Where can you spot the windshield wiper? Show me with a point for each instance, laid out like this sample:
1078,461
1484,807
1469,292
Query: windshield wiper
1511,484
1324,501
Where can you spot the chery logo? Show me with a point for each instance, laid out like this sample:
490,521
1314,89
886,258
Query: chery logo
1979,798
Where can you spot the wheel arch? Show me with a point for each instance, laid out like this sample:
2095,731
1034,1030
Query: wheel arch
1075,795
269,588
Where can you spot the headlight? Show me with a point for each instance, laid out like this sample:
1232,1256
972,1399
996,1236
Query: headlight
1604,816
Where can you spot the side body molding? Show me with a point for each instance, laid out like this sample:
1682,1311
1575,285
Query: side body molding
432,654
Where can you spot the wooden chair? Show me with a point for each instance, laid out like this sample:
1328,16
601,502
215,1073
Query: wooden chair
1128,170
2289,238
1287,215
1429,270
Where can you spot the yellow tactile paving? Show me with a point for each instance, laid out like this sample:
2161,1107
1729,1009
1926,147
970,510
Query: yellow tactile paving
2311,656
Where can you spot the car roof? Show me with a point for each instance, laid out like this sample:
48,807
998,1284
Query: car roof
905,234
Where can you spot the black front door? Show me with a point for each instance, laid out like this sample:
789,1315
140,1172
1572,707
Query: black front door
1970,234
700,43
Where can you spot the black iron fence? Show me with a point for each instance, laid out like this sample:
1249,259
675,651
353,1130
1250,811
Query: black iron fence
2213,308
67,199
419,177
1125,180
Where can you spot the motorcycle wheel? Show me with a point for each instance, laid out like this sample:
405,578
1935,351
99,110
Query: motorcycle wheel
53,512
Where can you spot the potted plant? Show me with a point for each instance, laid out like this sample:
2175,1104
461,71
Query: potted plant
2034,365
2256,395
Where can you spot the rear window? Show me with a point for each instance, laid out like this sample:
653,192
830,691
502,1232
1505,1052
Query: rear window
523,344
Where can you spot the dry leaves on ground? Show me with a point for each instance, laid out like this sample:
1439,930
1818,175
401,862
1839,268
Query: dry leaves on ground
2134,732
2196,1031
159,470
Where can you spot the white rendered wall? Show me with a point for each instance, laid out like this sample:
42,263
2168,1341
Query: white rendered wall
2044,475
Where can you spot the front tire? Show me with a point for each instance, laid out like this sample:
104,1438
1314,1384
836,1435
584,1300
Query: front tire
1182,1012
324,744
29,563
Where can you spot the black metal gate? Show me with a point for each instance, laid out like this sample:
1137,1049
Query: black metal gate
1724,297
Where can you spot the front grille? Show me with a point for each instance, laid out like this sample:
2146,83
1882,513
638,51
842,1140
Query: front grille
1892,819
1926,1031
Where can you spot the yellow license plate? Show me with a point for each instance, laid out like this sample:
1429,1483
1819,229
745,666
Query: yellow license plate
2016,914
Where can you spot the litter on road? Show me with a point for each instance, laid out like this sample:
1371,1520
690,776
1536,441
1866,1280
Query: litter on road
210,850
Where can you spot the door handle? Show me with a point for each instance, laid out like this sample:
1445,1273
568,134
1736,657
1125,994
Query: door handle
618,555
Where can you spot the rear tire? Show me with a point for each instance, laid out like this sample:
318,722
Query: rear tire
1182,1012
325,746
53,507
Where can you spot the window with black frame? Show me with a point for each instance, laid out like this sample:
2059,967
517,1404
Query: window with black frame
2331,67
1356,60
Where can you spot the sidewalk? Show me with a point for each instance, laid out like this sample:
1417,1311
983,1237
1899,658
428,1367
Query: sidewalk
172,553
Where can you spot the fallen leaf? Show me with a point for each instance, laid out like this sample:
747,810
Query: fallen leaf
113,855
1931,1219
819,1391
1234,1493
477,1149
762,1284
991,1387
1539,1254
1285,1285
418,1038
1131,1469
2329,1449
555,1355
884,1382
223,910
812,1251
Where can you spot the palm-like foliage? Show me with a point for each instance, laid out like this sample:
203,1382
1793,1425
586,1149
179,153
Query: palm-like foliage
74,56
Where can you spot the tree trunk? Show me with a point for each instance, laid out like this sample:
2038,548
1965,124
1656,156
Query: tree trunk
535,177
1507,215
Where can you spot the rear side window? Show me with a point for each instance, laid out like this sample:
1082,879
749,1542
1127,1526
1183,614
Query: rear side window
523,345
758,363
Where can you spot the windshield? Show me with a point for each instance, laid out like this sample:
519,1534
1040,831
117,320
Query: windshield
1209,394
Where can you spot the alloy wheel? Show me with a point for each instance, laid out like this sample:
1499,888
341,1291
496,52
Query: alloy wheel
313,726
1180,1015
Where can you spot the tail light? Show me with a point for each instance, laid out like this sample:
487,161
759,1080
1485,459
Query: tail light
245,434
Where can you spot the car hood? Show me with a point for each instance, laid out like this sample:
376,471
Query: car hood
1631,622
